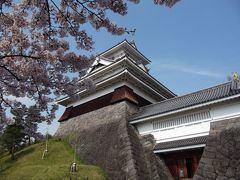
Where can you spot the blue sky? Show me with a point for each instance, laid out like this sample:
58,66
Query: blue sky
193,45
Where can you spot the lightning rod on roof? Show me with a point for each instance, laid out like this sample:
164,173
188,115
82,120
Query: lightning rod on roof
132,33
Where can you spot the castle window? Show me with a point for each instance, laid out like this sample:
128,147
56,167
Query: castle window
190,118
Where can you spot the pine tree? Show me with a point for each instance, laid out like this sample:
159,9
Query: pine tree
12,138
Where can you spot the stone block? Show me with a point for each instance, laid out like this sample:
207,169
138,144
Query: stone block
236,155
219,155
209,168
210,149
221,178
198,177
234,163
230,172
237,175
207,161
209,175
210,155
225,162
225,152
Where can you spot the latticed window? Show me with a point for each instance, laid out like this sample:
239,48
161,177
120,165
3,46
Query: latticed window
190,118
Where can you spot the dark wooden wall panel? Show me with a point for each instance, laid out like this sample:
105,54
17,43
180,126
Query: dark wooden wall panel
123,93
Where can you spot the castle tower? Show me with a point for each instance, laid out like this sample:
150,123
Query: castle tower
119,73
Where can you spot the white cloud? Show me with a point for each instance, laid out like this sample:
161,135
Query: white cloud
185,68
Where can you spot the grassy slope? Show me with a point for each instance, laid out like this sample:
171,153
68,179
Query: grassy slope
29,164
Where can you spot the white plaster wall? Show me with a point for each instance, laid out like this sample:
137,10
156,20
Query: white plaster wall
145,128
182,132
227,110
218,112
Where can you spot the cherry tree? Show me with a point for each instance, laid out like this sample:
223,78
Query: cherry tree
35,54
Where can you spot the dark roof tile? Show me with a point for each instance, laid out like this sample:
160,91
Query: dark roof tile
181,143
199,97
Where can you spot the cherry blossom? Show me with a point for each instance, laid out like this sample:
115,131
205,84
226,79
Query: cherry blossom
35,55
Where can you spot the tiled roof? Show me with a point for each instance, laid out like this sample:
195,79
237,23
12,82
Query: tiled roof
181,143
176,103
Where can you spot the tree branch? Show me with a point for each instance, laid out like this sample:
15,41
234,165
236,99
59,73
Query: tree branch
61,12
49,16
18,55
8,104
9,71
89,11
74,9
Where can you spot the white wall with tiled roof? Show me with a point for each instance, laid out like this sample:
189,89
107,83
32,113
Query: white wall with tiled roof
189,124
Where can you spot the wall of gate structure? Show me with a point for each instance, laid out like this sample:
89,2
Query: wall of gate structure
188,124
221,157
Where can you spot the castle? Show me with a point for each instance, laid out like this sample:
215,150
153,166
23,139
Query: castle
128,104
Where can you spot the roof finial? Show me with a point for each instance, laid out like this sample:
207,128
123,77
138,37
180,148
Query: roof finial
235,76
235,81
132,33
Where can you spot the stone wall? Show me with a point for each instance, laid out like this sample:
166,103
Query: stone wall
221,156
156,167
105,138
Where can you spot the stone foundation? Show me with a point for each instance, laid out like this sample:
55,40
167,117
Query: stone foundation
155,165
105,138
221,156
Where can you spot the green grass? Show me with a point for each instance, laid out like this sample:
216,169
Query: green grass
30,165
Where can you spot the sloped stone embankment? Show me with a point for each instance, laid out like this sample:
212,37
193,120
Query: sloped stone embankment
105,138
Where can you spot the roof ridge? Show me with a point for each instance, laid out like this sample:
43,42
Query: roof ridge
196,92
125,40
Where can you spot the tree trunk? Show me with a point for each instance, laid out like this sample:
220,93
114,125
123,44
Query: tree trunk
12,153
29,140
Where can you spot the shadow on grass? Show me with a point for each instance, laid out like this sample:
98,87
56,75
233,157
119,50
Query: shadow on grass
4,155
5,165
21,153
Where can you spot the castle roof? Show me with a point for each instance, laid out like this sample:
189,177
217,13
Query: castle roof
181,144
120,65
127,46
209,95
